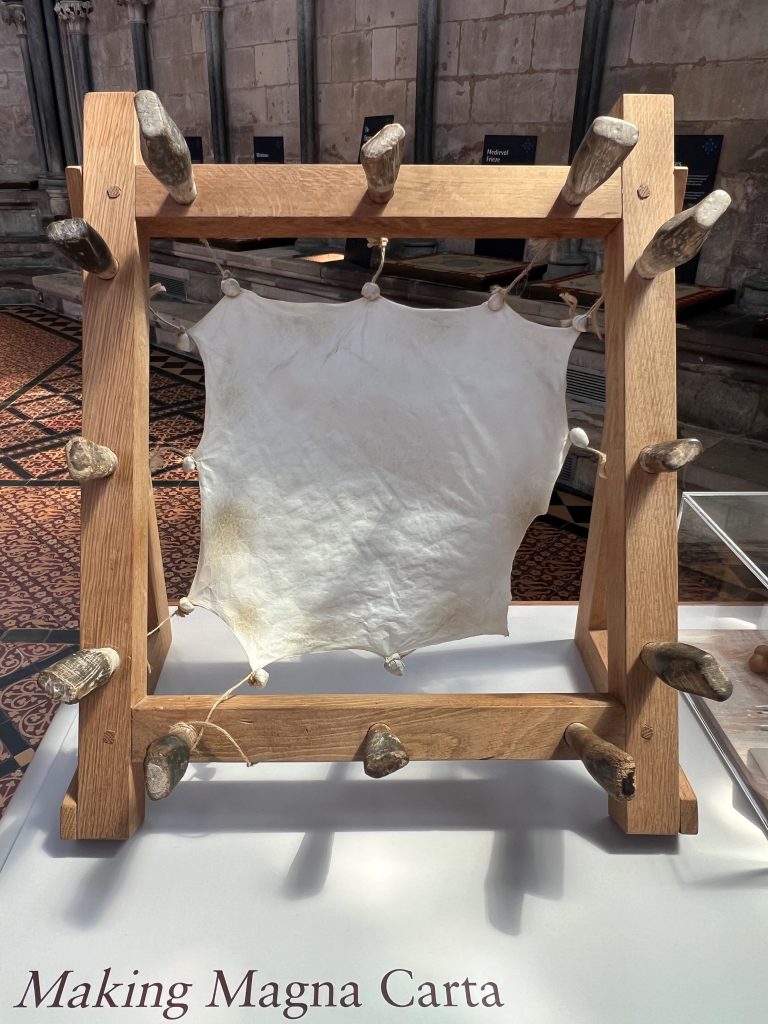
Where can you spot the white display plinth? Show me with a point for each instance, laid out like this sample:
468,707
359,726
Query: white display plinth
502,872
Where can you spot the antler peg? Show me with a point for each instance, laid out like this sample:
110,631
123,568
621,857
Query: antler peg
383,753
79,242
688,669
381,157
669,456
77,675
681,237
167,760
609,766
607,144
164,148
87,460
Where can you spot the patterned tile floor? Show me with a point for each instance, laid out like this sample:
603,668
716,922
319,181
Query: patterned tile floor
40,372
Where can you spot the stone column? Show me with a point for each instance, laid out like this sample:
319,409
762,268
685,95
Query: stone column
13,14
73,16
305,32
137,14
52,107
217,95
426,69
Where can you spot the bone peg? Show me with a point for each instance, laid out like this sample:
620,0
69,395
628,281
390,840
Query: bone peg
670,456
383,753
164,149
83,245
681,237
77,675
688,669
381,157
609,766
167,760
87,460
607,144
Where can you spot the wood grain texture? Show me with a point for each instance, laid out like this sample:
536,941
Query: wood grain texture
68,811
331,200
74,177
641,510
592,613
593,647
681,181
159,643
114,550
431,727
689,807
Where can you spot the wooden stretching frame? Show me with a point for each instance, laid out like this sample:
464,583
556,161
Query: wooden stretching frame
629,590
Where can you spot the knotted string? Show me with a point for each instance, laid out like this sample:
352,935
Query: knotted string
257,678
219,266
370,289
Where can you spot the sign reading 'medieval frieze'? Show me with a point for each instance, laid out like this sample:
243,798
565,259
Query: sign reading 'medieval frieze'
506,149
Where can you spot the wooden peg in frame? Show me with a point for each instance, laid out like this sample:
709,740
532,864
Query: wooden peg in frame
681,237
83,245
164,148
383,753
167,760
609,766
669,456
604,148
87,460
77,675
688,669
381,156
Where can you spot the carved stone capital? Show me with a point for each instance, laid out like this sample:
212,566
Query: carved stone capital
13,14
74,14
136,9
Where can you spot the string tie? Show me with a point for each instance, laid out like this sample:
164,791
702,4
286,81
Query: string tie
579,439
370,289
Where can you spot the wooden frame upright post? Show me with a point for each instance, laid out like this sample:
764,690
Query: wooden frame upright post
109,798
641,528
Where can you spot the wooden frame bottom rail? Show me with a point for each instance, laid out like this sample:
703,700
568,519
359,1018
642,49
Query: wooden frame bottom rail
433,727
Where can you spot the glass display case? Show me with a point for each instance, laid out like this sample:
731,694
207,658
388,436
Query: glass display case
723,546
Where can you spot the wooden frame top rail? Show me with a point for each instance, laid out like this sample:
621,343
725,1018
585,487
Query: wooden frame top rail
329,200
